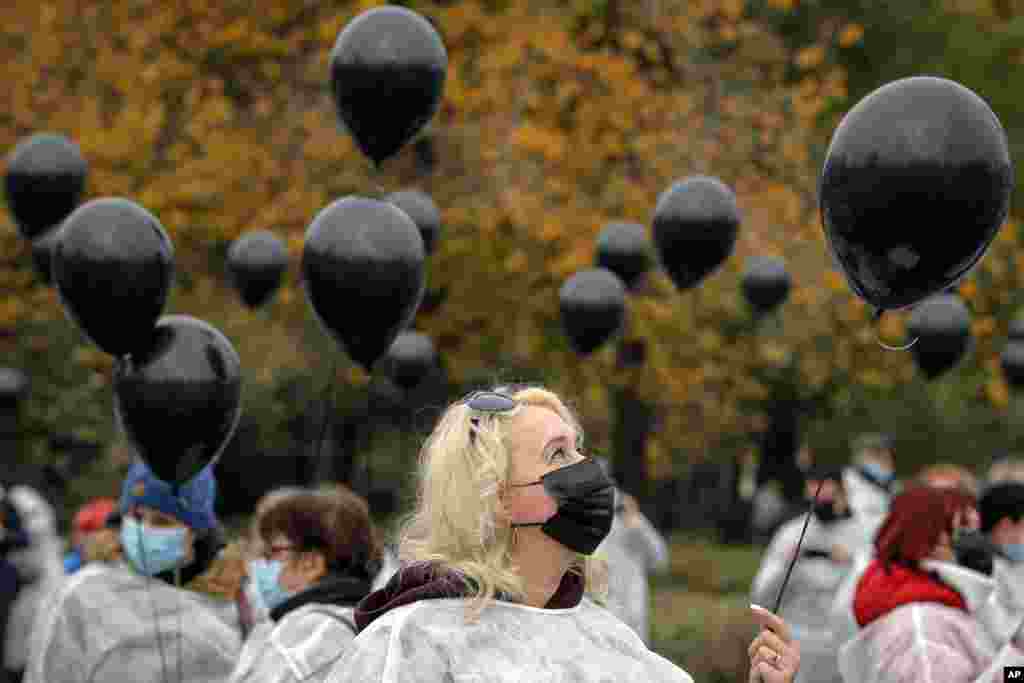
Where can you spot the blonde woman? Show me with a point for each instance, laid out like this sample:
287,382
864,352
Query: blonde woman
166,612
497,582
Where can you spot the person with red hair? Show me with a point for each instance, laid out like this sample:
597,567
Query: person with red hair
916,610
89,519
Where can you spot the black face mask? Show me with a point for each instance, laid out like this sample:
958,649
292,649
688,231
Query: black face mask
974,550
826,513
586,505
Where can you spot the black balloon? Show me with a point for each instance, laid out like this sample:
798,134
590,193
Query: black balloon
388,69
766,283
42,253
1012,362
1016,331
593,306
257,262
410,359
942,326
179,401
423,212
695,226
113,266
622,249
44,182
363,272
915,186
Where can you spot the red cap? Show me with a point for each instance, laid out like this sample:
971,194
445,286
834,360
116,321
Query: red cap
93,515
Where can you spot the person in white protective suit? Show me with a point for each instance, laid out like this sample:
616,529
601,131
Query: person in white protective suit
497,581
166,614
315,553
833,538
632,549
870,480
920,617
41,569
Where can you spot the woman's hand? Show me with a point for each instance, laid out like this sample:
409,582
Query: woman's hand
774,655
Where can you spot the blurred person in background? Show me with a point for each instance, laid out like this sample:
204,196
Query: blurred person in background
1006,468
498,581
90,519
1002,518
14,539
916,609
833,539
870,480
948,475
633,549
165,611
40,572
313,557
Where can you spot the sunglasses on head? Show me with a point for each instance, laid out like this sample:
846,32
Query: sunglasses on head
488,402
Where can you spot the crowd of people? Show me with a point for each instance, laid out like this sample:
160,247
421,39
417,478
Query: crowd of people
522,560
921,581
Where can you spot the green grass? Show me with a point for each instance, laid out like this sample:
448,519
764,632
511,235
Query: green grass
700,615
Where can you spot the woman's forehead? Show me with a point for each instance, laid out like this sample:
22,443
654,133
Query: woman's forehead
536,426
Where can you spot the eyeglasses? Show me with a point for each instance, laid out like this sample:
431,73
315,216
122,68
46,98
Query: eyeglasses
489,402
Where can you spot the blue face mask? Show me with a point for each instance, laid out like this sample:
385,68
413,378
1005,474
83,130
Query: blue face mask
1014,552
152,551
876,471
265,574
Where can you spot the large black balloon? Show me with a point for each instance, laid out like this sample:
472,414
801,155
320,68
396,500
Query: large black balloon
388,69
42,253
44,182
423,212
915,186
766,283
256,263
1016,330
695,226
593,306
113,266
622,249
1012,362
179,401
363,271
410,359
942,326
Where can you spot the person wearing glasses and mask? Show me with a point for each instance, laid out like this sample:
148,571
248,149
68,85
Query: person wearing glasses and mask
832,541
315,554
497,582
165,612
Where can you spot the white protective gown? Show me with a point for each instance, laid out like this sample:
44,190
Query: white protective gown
869,503
100,629
42,560
632,553
429,641
811,590
302,646
933,643
388,568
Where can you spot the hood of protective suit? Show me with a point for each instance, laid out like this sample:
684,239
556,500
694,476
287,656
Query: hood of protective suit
425,581
884,588
342,591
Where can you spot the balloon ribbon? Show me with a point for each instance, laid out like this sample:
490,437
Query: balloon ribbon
328,403
796,553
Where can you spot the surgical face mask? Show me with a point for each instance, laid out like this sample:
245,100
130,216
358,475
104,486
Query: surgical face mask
151,550
1014,552
586,504
878,473
266,575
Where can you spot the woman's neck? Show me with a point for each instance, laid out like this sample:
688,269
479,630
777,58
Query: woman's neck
542,563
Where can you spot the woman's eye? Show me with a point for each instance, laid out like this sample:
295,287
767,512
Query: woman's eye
560,453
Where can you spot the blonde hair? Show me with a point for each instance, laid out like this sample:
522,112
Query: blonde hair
457,519
223,578
947,472
1011,469
102,546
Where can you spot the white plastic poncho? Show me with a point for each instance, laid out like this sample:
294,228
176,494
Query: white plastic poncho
430,641
932,643
101,629
869,503
388,568
42,561
302,646
631,554
811,590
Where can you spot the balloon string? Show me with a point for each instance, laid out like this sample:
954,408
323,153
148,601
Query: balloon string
875,317
796,553
326,400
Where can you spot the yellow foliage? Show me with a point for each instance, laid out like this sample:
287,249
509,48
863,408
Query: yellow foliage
851,35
